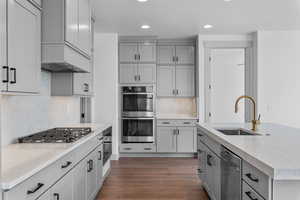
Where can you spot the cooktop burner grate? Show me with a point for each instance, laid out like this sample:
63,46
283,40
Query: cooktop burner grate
56,135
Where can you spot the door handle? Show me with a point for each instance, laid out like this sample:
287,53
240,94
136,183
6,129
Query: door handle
6,80
250,196
209,160
56,195
100,155
252,178
85,87
177,58
14,75
139,56
39,186
66,165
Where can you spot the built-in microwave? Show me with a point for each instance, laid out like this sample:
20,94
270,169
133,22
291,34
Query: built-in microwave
138,101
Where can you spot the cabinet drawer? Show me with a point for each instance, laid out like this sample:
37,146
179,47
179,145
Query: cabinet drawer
176,122
65,164
137,148
249,193
166,122
256,179
33,187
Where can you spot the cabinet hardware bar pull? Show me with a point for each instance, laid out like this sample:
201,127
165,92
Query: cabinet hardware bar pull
39,186
166,122
209,157
15,75
186,122
66,165
252,178
85,87
100,155
6,80
249,195
56,195
147,149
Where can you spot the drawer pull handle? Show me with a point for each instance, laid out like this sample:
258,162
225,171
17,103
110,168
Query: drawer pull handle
100,138
200,171
148,149
166,123
39,186
252,178
209,160
66,165
128,149
6,80
90,165
56,195
186,122
250,196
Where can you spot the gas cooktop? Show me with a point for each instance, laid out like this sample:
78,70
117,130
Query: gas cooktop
56,135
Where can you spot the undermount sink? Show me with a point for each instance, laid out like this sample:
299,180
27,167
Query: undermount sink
237,132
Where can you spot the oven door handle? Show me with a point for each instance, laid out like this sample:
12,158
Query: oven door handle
139,118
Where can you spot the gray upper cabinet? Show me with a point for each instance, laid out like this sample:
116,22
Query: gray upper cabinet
22,73
66,31
176,54
166,140
166,81
176,81
186,140
166,54
146,73
128,73
137,52
128,52
185,55
185,81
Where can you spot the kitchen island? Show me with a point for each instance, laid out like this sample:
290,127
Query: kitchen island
40,170
270,160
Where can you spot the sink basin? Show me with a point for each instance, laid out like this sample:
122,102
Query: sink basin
237,132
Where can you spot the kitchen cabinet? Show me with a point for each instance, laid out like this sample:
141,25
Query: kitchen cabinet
79,183
99,166
185,139
166,78
137,73
137,52
176,136
69,84
176,54
22,73
166,140
176,81
214,175
91,179
63,189
66,30
202,166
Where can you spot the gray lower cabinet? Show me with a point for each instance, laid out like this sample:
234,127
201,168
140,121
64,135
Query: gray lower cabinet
166,139
137,73
175,81
214,175
249,193
91,179
175,139
79,183
63,189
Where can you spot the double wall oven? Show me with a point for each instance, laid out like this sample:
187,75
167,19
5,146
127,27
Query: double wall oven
138,112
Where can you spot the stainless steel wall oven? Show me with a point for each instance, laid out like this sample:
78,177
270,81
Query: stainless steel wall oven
138,112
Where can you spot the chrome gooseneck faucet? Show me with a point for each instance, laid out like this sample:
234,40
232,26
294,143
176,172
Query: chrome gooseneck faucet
255,122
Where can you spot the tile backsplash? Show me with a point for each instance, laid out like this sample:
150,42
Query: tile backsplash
176,106
24,115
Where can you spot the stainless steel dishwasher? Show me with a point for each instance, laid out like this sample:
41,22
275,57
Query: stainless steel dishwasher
231,175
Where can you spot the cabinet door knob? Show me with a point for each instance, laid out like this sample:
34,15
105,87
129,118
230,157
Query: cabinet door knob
6,79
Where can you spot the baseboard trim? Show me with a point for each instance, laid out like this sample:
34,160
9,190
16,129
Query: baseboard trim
163,155
115,157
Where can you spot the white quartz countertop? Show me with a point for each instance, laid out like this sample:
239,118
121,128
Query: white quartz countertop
176,116
275,152
21,161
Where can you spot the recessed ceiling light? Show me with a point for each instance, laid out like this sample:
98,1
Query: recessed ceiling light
227,0
145,26
208,26
142,0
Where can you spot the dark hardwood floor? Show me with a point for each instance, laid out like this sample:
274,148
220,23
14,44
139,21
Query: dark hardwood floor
153,179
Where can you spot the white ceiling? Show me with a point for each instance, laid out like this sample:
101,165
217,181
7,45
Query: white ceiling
185,18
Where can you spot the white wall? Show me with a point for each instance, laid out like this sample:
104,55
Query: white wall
278,54
106,105
23,115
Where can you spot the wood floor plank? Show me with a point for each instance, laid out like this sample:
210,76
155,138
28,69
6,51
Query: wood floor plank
153,179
